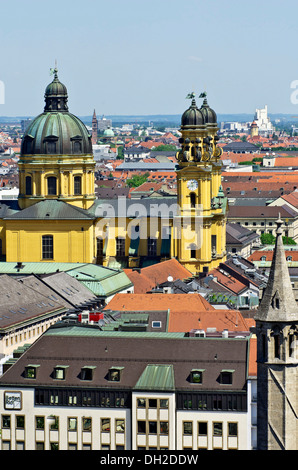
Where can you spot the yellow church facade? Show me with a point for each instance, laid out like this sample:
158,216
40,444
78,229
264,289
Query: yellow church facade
58,219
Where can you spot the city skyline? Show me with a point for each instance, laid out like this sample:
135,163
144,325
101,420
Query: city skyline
128,59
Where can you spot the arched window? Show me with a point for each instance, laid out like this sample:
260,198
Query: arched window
277,346
52,185
47,247
77,185
276,333
99,246
28,185
192,200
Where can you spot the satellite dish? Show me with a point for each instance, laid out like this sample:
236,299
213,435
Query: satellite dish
170,279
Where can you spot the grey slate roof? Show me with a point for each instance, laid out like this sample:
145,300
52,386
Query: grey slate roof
236,234
240,147
77,347
261,211
51,209
20,303
69,288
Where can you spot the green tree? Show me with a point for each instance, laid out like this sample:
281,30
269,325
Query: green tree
120,154
267,239
166,148
137,180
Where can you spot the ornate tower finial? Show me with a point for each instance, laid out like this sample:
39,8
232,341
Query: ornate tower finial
279,285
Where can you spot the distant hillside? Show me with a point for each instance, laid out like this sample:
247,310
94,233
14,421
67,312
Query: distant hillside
165,119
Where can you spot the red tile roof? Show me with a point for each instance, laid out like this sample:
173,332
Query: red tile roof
228,281
152,302
231,320
151,276
252,361
257,255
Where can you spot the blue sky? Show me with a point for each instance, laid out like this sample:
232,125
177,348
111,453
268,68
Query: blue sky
135,57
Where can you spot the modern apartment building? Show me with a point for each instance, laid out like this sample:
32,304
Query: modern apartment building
79,387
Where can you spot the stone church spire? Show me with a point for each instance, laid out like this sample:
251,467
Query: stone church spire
278,302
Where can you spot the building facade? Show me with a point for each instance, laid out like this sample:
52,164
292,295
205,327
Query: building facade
92,392
58,217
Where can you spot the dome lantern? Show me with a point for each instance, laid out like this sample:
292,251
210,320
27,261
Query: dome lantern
56,95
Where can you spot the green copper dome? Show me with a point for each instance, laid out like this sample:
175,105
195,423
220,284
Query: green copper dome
208,113
192,116
56,131
108,132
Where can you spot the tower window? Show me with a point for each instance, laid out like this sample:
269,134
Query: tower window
120,246
152,246
213,243
47,247
77,185
192,200
193,251
52,186
277,346
99,246
28,185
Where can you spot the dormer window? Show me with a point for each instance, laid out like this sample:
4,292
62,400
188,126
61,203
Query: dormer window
60,372
31,371
76,144
115,374
87,372
196,376
28,144
226,377
51,144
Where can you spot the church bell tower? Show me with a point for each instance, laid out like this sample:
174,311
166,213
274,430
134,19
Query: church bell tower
277,360
200,228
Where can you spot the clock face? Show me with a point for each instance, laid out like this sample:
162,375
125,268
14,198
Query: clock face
192,185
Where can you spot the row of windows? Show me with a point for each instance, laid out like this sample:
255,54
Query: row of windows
202,428
86,373
151,247
153,427
114,374
52,185
72,423
212,401
51,146
77,397
20,445
120,399
120,247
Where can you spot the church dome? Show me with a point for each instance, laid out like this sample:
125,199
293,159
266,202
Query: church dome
56,131
192,116
208,113
108,132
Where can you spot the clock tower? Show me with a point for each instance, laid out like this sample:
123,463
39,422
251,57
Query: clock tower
200,227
